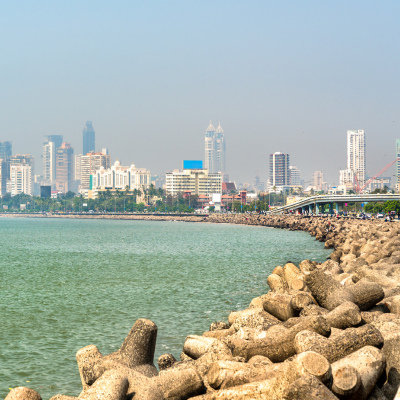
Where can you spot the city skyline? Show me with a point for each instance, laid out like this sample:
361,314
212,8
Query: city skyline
281,79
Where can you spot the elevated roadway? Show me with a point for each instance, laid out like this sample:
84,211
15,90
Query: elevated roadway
315,204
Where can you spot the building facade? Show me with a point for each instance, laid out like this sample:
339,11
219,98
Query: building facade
50,144
24,159
119,177
21,179
215,150
197,182
294,176
4,176
398,162
279,171
317,181
64,168
89,164
356,146
89,138
5,150
346,178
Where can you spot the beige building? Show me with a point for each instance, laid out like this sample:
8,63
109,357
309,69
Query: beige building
119,177
89,164
195,181
317,181
21,179
346,178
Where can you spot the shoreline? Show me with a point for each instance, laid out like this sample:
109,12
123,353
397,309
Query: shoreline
343,313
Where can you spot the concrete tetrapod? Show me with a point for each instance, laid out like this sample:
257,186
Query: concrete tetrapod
306,388
110,386
346,381
280,305
23,393
137,352
280,347
344,316
277,378
197,346
369,362
349,341
330,293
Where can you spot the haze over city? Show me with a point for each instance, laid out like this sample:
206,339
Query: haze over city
290,77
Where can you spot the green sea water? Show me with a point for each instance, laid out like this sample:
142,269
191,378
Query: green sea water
68,283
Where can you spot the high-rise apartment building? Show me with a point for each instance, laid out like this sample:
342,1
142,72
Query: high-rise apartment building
90,163
24,159
294,176
21,179
215,148
279,171
5,150
356,162
4,176
398,162
64,167
89,138
346,178
317,181
50,144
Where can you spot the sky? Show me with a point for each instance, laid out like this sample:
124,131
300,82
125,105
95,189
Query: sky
289,76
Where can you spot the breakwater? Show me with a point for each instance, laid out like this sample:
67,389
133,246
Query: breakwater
324,329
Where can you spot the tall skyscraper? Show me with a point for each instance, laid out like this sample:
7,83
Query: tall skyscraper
398,162
64,167
279,169
50,144
5,150
356,154
215,160
89,138
4,175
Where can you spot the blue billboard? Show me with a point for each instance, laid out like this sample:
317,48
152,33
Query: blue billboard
192,164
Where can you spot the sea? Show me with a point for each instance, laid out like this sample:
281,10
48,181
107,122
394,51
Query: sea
68,283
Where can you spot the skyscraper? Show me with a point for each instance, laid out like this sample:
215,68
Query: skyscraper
5,150
356,154
64,167
398,162
214,160
89,138
21,179
90,163
24,159
279,169
317,180
50,144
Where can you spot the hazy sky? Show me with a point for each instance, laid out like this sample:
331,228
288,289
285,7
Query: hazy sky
290,76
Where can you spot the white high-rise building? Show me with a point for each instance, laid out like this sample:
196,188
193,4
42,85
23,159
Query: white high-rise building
49,162
21,179
346,178
294,176
356,154
214,160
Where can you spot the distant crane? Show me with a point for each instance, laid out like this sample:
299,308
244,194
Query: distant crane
357,183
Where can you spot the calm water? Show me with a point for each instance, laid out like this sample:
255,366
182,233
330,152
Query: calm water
65,284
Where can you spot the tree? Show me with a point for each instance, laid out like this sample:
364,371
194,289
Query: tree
392,205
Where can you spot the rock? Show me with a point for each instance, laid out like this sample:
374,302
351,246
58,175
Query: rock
218,326
346,381
344,316
165,361
279,305
308,387
340,346
197,346
23,393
